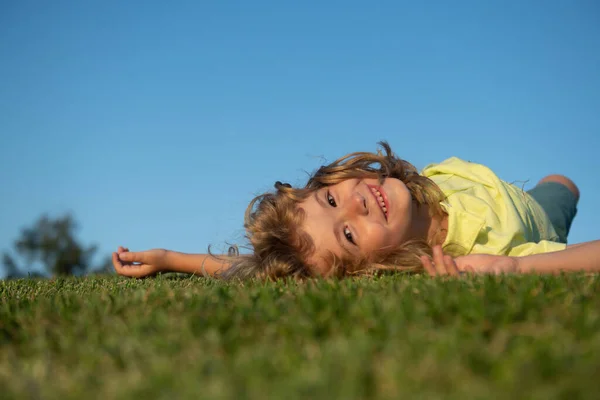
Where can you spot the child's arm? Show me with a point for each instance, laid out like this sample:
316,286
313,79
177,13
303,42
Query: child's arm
581,257
147,263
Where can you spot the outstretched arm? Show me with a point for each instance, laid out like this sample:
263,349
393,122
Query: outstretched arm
581,257
150,262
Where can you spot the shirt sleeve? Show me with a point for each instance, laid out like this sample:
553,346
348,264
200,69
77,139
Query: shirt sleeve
544,246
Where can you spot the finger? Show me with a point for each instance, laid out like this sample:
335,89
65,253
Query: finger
132,271
129,270
122,249
121,266
438,261
428,266
132,256
117,265
450,265
469,270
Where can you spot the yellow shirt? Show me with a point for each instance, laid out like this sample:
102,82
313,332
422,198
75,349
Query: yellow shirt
489,216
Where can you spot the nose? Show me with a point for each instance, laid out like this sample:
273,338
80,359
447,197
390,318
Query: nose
357,205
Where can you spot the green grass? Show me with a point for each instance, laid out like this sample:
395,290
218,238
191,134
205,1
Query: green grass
393,337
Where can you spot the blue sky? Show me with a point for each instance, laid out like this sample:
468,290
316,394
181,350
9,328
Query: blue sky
155,123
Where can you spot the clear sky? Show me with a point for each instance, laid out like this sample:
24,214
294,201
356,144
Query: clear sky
155,123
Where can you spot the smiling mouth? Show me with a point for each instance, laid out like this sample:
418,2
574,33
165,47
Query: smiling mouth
381,198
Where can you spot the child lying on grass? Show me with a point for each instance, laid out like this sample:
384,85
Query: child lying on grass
366,213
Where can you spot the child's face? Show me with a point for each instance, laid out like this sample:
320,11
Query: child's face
352,219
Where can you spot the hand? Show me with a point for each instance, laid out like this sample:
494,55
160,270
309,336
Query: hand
139,264
441,265
472,263
488,264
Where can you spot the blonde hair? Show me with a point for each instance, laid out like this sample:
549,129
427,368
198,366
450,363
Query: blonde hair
280,247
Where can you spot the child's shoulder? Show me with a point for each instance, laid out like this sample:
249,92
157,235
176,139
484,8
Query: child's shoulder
459,167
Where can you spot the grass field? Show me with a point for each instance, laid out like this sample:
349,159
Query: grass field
389,338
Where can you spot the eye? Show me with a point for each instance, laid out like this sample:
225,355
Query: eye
331,200
348,235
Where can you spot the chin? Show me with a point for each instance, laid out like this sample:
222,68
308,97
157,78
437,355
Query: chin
399,198
397,191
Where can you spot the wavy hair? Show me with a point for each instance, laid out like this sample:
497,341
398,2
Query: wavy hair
281,248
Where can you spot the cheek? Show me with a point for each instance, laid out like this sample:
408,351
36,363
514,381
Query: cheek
379,238
395,235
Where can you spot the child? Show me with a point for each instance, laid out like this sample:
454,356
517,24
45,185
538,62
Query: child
366,213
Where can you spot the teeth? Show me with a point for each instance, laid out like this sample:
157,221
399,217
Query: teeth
380,199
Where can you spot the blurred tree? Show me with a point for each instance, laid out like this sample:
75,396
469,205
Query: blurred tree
52,243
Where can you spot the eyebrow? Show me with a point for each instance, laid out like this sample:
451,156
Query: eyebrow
336,232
